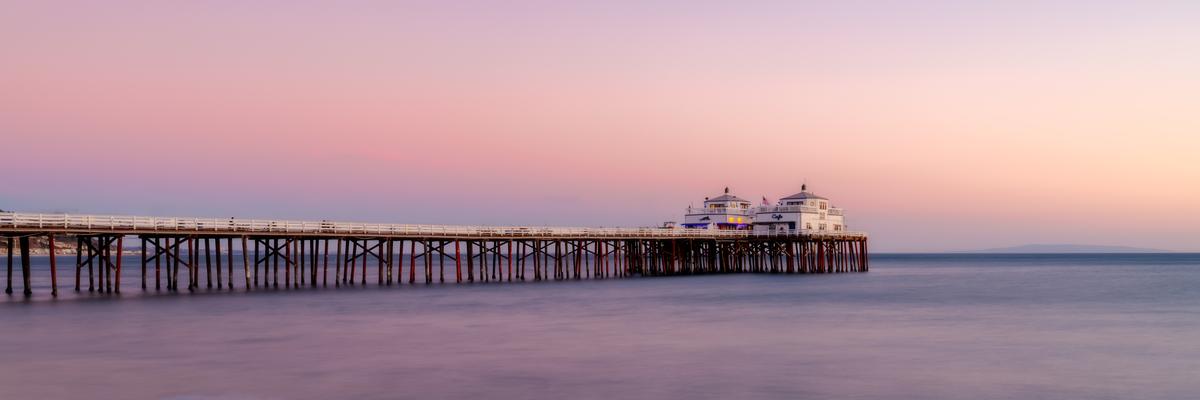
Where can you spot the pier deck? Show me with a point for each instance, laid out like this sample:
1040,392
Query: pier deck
189,246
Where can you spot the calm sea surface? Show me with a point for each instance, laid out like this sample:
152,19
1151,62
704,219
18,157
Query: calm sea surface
915,327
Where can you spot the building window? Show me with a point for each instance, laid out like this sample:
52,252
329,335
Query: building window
821,227
808,225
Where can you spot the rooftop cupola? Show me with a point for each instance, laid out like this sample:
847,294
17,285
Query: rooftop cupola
803,195
727,198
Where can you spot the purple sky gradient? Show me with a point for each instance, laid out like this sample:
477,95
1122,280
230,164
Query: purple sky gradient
938,125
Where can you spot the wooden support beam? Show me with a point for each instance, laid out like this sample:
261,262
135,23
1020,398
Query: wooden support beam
275,263
208,261
470,261
390,250
246,261
25,267
91,269
412,262
144,262
325,267
78,262
365,253
193,260
53,267
220,281
9,247
430,251
337,267
173,269
287,264
120,255
229,248
108,265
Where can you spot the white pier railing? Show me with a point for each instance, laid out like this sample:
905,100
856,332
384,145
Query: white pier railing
13,221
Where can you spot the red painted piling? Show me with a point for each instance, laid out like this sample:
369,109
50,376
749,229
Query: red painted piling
866,257
412,262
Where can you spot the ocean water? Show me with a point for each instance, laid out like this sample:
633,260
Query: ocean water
915,327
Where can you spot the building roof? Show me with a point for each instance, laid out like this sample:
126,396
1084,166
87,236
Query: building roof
804,195
726,197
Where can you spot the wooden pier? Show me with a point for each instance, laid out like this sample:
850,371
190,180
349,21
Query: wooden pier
249,254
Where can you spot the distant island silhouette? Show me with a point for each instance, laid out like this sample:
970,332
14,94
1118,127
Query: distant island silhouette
1067,248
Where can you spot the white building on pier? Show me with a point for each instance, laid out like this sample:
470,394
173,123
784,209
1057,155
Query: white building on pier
722,212
803,211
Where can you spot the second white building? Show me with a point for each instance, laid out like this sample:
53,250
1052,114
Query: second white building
801,211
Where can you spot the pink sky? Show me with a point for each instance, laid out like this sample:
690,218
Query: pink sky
937,125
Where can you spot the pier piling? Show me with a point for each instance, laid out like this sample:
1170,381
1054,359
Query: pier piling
25,267
9,247
502,255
